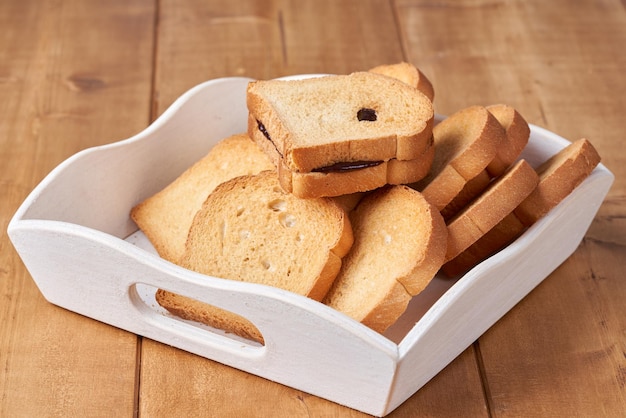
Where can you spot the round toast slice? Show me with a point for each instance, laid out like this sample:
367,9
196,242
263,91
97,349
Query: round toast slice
517,133
399,245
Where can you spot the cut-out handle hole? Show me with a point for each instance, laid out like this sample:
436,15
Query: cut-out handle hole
204,317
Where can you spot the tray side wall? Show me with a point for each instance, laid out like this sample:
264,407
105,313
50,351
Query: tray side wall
308,346
487,292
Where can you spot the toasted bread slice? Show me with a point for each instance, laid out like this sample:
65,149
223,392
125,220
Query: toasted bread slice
465,143
338,123
399,245
470,191
558,177
517,133
249,229
493,205
491,242
409,74
515,139
194,310
165,218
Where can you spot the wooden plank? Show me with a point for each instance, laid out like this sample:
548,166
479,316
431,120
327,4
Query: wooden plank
265,39
73,74
199,41
484,52
468,51
455,391
560,352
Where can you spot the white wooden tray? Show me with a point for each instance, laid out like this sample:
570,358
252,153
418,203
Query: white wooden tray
75,236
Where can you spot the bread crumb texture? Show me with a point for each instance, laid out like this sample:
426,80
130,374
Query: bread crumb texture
399,244
250,230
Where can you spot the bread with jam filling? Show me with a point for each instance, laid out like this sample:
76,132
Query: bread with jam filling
347,127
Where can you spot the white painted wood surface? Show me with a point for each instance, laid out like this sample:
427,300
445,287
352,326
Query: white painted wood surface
76,239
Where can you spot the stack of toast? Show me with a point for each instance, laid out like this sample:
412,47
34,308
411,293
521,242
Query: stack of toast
345,191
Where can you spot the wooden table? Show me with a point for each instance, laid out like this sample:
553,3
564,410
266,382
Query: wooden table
74,74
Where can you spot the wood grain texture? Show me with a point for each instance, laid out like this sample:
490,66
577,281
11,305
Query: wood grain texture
75,74
200,40
560,66
571,326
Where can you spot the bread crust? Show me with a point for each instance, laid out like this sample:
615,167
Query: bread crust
517,133
470,191
465,143
409,74
391,306
399,245
558,177
499,200
193,310
498,237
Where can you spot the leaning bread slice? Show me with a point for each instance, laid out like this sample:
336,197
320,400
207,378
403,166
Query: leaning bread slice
165,217
492,241
558,177
515,139
409,74
493,205
465,143
250,230
472,189
338,123
517,133
399,245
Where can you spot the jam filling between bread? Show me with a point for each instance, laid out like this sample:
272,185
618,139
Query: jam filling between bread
267,135
346,166
340,167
